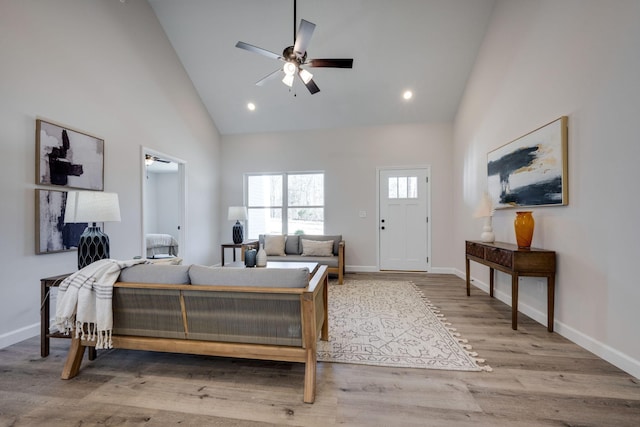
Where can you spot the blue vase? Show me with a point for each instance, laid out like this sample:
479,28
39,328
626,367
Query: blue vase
250,258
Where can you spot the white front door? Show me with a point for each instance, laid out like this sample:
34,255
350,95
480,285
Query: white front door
403,221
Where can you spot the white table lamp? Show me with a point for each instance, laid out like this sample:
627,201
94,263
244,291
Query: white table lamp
237,214
92,207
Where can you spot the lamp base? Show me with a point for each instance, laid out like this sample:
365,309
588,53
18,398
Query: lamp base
92,246
487,235
238,233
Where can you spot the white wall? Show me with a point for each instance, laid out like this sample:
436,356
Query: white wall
106,68
349,158
541,60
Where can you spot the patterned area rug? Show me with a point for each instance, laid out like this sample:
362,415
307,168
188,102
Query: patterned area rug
392,324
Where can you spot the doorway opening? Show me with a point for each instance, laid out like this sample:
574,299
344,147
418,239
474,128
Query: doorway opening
163,205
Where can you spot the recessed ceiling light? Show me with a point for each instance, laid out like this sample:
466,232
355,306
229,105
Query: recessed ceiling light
251,106
407,94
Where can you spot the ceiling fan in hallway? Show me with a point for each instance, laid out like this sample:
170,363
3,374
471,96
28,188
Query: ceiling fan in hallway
295,56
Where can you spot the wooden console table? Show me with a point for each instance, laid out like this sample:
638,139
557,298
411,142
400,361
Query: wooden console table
45,314
509,259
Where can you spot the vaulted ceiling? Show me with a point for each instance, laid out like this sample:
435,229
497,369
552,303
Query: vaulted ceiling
426,46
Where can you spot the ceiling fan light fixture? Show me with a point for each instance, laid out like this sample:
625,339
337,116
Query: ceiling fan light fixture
289,68
305,76
288,80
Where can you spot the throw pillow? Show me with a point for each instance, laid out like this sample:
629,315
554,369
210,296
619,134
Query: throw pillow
274,244
317,247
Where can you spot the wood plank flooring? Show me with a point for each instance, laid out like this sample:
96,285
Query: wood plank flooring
538,379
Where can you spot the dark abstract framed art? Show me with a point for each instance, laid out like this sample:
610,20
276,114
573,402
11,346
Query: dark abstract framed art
68,157
52,234
531,170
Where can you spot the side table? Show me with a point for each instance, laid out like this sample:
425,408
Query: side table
242,246
45,315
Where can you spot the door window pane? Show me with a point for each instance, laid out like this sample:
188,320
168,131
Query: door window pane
412,187
393,187
402,187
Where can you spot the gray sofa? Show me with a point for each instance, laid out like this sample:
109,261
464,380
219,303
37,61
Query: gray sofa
267,313
293,252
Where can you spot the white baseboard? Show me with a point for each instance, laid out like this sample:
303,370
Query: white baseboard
602,350
375,269
361,269
14,337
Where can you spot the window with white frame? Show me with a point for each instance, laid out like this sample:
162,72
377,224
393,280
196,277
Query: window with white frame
403,187
285,203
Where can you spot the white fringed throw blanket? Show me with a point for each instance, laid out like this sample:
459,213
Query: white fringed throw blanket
84,301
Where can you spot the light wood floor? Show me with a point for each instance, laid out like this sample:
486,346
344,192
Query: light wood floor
538,379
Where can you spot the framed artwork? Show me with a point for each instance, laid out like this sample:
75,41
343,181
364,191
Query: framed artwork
531,170
68,158
52,234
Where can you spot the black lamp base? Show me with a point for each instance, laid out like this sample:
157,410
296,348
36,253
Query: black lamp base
92,246
238,233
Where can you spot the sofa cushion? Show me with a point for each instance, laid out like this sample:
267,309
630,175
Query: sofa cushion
155,273
274,244
292,245
336,240
258,277
317,247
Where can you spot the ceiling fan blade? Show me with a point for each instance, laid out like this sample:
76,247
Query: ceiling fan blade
311,85
255,49
333,63
305,31
155,159
270,76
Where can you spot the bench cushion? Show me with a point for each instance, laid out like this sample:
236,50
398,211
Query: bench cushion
258,277
155,273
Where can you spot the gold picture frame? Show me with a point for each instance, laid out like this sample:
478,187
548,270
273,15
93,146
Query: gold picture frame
531,170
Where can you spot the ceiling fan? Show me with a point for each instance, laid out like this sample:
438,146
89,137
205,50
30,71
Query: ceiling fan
149,160
294,57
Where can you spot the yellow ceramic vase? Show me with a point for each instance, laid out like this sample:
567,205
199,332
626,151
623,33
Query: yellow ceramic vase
524,225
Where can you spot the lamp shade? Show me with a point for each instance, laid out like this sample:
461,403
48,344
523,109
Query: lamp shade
484,208
237,213
92,206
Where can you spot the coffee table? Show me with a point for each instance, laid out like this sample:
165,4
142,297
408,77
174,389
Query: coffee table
312,266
